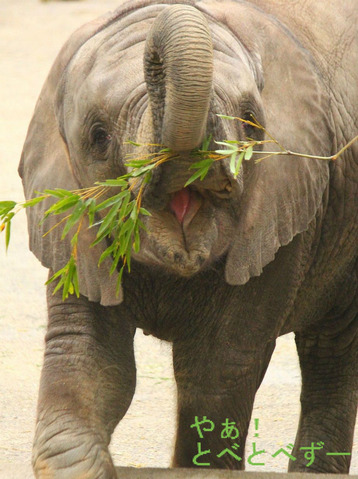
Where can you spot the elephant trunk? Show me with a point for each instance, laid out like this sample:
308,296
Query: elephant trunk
178,66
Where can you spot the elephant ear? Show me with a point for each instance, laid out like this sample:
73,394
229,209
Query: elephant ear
45,165
283,193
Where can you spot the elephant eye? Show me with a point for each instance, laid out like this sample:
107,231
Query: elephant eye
249,130
100,136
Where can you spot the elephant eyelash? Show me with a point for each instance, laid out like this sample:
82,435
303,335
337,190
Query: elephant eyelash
100,137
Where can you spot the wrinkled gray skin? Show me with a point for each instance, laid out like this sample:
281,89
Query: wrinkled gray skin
254,258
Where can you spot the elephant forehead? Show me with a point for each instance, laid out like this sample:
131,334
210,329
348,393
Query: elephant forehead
111,84
229,50
233,81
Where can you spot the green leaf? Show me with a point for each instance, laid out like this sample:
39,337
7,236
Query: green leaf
6,207
238,164
74,239
195,176
134,212
58,193
207,162
55,276
137,163
120,181
107,252
128,258
67,286
130,142
91,205
7,234
136,243
111,201
248,152
142,170
108,219
74,218
123,212
33,201
148,177
233,162
226,117
99,238
76,284
116,259
229,144
206,143
119,280
59,284
62,205
144,212
223,152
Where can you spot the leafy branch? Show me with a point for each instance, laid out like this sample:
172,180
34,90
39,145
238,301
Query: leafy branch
239,150
121,221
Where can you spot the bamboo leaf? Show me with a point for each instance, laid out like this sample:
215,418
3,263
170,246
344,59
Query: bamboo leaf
195,176
6,207
136,163
74,218
136,243
238,164
148,177
107,252
74,239
76,284
226,117
55,276
248,153
223,152
129,142
7,234
91,205
60,284
119,280
229,144
62,205
203,163
33,201
117,182
142,170
144,212
233,162
108,219
58,193
111,201
206,143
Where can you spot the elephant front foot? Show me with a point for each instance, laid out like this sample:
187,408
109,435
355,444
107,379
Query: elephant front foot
70,453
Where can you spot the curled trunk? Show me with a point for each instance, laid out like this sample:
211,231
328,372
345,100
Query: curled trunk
178,65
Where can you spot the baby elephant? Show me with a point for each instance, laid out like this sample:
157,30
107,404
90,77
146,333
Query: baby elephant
227,264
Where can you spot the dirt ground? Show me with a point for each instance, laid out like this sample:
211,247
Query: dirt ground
31,33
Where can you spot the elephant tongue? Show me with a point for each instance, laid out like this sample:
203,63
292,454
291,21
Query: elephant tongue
180,203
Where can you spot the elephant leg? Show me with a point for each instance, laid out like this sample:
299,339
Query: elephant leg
87,384
329,367
217,383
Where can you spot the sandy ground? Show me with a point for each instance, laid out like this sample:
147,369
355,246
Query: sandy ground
31,33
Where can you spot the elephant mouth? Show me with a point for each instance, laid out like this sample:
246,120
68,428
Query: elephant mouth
185,204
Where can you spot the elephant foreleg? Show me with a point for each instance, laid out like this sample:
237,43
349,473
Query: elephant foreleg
87,384
216,384
329,365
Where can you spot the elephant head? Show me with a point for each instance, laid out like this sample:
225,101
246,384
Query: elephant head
165,82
